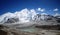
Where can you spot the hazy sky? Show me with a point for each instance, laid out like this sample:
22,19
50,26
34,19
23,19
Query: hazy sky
50,6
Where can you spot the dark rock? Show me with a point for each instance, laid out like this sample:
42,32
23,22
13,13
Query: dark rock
3,32
43,33
1,26
58,20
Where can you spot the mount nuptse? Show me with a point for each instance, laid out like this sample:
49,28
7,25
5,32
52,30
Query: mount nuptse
26,15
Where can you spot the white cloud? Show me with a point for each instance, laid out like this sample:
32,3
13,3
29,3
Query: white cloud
40,9
56,9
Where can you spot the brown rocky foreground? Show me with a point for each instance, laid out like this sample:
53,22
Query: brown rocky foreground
4,30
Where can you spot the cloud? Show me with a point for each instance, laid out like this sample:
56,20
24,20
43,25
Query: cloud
24,15
56,9
40,9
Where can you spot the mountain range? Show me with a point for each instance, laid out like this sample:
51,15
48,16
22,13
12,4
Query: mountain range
26,15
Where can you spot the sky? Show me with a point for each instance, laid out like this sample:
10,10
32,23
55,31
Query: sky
46,6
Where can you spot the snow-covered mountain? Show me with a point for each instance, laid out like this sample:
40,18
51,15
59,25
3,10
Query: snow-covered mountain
43,16
46,19
57,15
26,15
